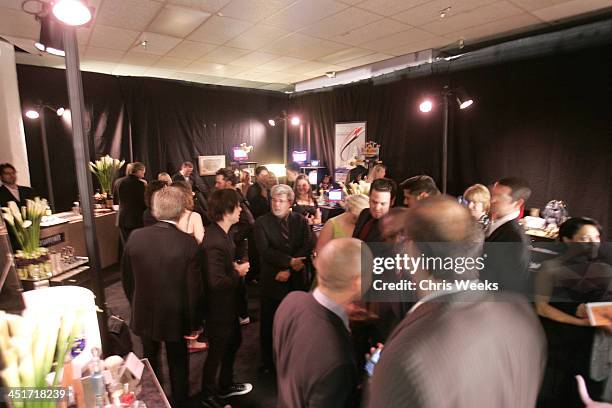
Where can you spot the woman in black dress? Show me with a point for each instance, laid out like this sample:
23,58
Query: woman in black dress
305,202
563,286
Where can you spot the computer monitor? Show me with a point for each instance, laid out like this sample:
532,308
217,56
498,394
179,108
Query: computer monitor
313,177
335,195
239,154
300,156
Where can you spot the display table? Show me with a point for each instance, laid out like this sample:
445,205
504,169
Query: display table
70,233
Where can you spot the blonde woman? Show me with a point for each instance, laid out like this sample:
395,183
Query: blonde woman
165,177
478,200
190,222
343,225
376,172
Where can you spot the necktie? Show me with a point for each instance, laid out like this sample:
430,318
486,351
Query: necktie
284,229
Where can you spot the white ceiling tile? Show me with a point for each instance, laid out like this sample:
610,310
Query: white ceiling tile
368,59
129,70
157,44
322,71
378,29
302,46
131,14
103,54
280,64
254,59
19,24
395,40
177,21
158,72
570,8
434,42
170,63
274,87
191,50
210,6
113,38
83,34
481,15
257,36
428,12
494,28
341,22
28,59
351,2
537,4
309,66
254,10
303,13
218,30
98,66
345,55
209,68
389,7
223,55
16,5
139,59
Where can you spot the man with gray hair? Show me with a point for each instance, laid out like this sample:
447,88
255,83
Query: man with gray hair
462,345
161,276
312,342
284,243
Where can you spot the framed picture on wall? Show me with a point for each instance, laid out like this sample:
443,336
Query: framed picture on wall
210,164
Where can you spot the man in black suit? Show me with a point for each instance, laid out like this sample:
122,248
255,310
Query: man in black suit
506,244
417,188
200,191
494,341
242,232
382,197
312,346
222,278
284,242
10,191
256,194
162,279
131,192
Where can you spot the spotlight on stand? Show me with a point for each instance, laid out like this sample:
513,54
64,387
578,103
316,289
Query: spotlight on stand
271,122
32,114
60,111
295,120
72,12
463,99
51,34
426,106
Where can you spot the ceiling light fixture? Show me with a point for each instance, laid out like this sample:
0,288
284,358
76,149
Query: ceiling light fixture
330,74
444,12
51,37
72,12
32,114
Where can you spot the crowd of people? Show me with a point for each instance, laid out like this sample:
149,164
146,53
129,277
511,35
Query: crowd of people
518,346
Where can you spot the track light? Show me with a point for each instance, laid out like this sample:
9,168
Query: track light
72,12
32,114
426,106
51,34
295,120
271,122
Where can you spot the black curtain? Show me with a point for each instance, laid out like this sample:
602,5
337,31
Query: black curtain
545,119
158,122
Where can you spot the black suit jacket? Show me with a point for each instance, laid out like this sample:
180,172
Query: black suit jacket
221,281
508,255
131,202
162,279
243,229
313,355
374,235
24,194
276,253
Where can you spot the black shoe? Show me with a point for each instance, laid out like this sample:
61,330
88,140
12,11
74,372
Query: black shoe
214,402
235,389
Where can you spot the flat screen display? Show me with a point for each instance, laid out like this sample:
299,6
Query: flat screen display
335,195
240,154
300,156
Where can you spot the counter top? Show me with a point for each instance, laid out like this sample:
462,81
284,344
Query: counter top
71,217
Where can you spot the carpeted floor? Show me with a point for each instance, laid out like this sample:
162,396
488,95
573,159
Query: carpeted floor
247,361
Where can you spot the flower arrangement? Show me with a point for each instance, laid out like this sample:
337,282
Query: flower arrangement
34,346
105,170
247,149
356,188
31,261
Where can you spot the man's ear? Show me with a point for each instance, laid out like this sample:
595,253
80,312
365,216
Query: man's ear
422,195
519,203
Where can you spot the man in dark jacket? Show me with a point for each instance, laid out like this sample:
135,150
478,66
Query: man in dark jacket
10,191
284,242
312,346
382,197
161,275
222,285
131,200
506,245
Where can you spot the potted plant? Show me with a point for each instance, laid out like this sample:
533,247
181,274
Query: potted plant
105,170
31,261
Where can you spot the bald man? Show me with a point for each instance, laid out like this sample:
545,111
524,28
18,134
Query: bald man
312,347
457,347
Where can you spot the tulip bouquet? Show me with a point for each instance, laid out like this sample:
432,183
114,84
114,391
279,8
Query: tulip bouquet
32,261
33,347
105,170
